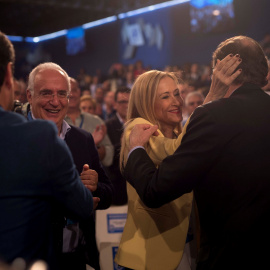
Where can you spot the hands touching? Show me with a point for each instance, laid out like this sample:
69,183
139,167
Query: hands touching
223,76
141,134
90,180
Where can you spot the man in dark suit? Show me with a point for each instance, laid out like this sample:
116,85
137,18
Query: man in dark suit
47,92
224,157
37,173
115,126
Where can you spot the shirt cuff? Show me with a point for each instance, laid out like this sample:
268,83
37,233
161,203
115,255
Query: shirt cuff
134,148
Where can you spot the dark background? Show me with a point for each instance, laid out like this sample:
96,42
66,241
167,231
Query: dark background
180,46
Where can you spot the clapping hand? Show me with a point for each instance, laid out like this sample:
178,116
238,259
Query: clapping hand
99,133
90,180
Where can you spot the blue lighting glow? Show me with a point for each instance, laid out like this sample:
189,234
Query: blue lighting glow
205,3
46,37
151,8
100,22
15,38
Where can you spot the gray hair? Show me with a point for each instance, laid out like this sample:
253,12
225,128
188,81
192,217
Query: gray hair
194,93
44,66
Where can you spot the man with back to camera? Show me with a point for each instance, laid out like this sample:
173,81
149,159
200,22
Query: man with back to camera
37,173
224,157
48,94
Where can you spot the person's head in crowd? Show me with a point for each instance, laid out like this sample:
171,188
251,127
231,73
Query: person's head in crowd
138,68
48,93
99,95
95,80
23,98
109,99
75,94
121,96
155,97
106,86
20,91
7,60
243,46
85,92
17,90
193,100
129,78
194,71
184,89
88,104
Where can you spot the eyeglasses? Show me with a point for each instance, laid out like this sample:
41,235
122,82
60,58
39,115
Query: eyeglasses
48,95
122,102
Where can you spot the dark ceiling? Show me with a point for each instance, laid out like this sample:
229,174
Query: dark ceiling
38,17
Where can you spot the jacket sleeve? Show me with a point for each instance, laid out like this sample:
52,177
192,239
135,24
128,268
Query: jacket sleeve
67,187
104,189
180,172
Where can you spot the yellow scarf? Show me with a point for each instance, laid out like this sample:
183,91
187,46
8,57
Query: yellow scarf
154,238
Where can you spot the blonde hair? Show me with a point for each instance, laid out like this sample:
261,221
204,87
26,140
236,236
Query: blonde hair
142,101
89,98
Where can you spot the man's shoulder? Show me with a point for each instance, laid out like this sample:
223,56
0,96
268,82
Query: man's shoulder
11,117
92,118
113,120
18,120
78,133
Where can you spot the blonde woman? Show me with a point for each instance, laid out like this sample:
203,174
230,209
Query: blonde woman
151,236
155,238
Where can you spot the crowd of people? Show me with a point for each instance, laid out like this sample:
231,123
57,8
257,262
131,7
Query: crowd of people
187,149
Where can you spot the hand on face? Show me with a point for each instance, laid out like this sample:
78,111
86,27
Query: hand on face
224,75
89,178
141,134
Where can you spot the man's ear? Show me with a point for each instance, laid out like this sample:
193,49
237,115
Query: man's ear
29,96
8,81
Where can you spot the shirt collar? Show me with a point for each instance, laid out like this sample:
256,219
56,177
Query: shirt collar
65,127
120,118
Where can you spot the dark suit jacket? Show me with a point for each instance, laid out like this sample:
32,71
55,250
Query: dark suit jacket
224,157
83,149
37,171
115,130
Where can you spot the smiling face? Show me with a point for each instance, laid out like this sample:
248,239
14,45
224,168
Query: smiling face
53,82
168,105
87,106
